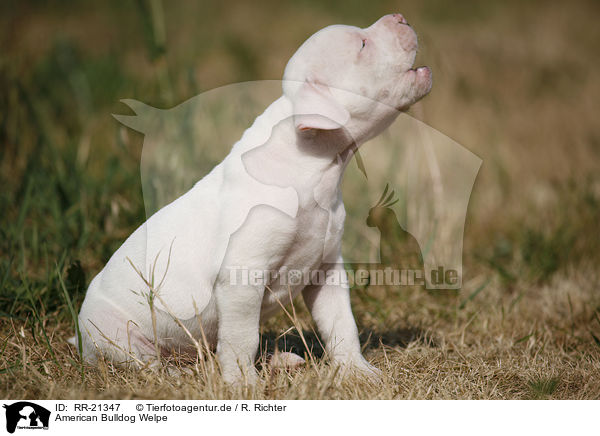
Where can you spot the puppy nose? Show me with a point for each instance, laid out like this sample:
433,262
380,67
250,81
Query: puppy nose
400,18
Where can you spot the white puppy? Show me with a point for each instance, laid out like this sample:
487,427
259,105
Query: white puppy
273,204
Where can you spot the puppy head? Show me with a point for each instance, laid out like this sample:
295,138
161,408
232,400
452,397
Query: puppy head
356,78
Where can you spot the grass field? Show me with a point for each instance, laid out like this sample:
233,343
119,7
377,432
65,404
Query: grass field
514,82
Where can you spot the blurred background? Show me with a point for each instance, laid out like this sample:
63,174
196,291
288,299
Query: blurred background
514,82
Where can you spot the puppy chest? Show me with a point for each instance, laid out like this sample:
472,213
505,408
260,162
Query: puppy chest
309,239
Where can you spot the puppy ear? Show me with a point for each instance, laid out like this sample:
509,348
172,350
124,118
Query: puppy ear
315,108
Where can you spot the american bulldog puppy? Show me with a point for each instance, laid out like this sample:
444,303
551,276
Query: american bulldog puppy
273,204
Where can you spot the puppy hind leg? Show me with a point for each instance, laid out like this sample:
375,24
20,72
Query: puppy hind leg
120,342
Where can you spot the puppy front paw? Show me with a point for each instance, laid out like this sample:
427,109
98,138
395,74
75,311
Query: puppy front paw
235,376
369,371
361,368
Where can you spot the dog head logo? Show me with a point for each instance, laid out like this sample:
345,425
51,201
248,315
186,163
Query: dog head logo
26,415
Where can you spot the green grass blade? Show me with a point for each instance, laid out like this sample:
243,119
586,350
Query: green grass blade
473,294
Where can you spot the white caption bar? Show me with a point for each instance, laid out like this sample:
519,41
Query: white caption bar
153,417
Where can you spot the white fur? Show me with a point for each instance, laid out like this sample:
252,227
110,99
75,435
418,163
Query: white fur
274,202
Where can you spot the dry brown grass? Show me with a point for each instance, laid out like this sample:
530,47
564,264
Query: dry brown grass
533,345
515,83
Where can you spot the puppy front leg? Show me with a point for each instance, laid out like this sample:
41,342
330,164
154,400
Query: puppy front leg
330,308
238,309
